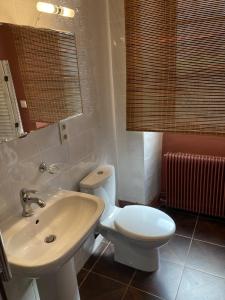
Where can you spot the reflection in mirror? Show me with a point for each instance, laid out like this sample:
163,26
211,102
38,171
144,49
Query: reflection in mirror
10,121
39,79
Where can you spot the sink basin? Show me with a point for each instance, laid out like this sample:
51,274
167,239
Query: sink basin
46,241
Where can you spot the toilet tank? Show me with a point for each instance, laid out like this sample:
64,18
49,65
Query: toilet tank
101,183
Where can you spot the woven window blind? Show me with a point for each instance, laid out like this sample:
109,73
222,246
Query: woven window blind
48,66
175,65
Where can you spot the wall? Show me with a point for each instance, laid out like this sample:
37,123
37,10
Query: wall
152,164
139,154
195,144
91,135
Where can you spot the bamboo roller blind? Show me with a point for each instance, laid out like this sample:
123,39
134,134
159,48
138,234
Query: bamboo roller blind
175,65
48,66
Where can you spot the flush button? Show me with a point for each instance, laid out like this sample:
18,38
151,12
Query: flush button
100,172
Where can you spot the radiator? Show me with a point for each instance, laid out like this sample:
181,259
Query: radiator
195,183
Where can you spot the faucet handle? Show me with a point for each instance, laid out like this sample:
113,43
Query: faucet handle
31,191
24,192
26,201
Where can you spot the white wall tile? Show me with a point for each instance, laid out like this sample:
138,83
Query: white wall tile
152,164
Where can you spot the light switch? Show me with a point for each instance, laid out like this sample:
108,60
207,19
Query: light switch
23,103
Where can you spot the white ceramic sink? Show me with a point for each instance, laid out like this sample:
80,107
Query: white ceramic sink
70,216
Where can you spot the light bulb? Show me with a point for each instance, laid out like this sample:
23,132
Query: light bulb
66,12
47,8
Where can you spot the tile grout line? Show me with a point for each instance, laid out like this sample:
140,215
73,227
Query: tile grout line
110,278
196,239
90,270
143,291
128,285
97,260
218,245
184,236
202,271
189,248
148,293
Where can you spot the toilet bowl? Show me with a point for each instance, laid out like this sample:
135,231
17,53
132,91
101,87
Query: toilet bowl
136,231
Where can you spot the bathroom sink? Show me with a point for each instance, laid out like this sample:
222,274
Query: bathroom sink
44,242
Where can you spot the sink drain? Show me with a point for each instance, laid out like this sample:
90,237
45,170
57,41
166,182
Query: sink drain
50,239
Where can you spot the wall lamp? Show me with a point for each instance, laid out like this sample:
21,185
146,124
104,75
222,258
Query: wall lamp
50,8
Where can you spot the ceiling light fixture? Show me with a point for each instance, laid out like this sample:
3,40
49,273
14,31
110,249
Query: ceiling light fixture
50,8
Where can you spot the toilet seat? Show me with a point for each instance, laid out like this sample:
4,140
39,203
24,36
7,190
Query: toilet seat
144,223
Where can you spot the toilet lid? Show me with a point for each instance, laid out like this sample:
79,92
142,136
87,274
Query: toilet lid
145,223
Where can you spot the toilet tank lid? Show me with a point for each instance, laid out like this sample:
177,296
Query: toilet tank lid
97,177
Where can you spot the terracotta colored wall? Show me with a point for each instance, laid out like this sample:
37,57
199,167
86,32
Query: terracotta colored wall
196,144
7,52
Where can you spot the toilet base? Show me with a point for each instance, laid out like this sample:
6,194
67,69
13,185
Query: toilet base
140,258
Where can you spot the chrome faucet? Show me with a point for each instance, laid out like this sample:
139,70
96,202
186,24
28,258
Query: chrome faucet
27,200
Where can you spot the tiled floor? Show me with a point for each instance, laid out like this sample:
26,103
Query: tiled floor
192,267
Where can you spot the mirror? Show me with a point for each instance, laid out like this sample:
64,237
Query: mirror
39,79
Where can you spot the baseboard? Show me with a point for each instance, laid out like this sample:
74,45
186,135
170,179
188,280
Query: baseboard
156,202
123,203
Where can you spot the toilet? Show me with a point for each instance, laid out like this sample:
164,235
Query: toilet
136,231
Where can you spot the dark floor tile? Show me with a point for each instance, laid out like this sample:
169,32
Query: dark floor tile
207,257
97,287
176,249
185,222
81,275
107,266
210,230
134,294
163,283
89,264
196,285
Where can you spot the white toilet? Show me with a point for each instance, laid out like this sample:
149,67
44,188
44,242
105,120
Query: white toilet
136,231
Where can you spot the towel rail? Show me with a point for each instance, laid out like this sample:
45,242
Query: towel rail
5,271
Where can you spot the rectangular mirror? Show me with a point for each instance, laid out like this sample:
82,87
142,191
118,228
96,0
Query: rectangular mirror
39,79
